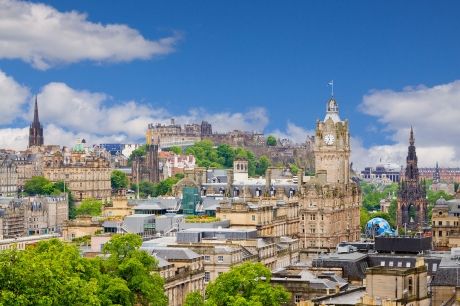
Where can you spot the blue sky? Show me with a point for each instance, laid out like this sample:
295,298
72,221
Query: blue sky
238,56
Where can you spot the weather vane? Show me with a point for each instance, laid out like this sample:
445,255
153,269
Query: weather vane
331,83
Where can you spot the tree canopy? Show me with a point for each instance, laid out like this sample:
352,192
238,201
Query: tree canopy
247,284
89,207
175,149
39,185
222,156
139,152
373,194
54,273
119,179
271,141
153,190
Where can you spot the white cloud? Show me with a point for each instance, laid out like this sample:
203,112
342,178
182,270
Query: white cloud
12,98
68,114
434,112
14,138
42,36
295,133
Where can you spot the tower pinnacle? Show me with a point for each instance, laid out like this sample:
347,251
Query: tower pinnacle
35,129
411,138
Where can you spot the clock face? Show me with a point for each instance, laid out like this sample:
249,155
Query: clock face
329,139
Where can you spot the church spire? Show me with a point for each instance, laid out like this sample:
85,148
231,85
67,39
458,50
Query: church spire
36,120
35,129
411,138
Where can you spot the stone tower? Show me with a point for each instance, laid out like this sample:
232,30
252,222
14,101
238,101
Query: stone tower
332,146
35,129
329,200
412,203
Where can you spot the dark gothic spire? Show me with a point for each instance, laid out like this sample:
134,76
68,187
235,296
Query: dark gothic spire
36,129
411,166
411,138
36,120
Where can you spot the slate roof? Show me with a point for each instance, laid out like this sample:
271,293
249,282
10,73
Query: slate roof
172,253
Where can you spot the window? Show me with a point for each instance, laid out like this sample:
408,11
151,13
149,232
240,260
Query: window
440,223
297,298
435,267
409,285
207,276
440,233
399,264
207,258
382,264
390,264
220,258
407,264
253,217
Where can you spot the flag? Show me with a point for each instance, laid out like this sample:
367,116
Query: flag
331,83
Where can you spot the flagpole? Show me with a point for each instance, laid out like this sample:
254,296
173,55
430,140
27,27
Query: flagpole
332,87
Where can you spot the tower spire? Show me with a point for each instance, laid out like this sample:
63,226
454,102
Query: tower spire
411,138
35,129
36,111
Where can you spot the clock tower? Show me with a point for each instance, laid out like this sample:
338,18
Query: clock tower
332,146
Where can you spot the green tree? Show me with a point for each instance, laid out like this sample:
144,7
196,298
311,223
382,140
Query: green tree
246,284
228,155
38,185
364,217
54,273
176,150
139,152
135,267
89,207
194,299
392,211
294,169
119,179
271,141
262,165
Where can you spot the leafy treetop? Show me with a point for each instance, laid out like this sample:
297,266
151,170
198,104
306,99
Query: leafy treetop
271,141
54,273
247,284
119,179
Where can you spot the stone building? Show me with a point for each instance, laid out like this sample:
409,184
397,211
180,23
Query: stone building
12,220
445,224
81,226
166,136
8,175
397,286
147,168
84,172
182,270
37,215
271,217
330,200
45,214
412,203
